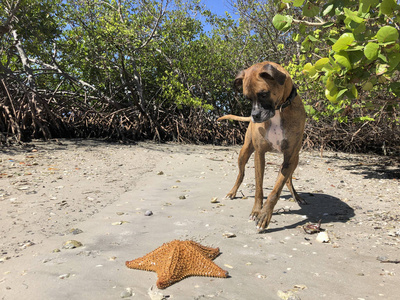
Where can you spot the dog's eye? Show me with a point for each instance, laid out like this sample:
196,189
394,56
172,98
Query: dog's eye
263,95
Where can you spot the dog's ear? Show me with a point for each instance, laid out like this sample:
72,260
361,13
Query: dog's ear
271,73
238,83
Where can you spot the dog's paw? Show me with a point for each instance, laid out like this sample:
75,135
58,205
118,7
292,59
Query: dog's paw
255,214
263,221
230,196
253,217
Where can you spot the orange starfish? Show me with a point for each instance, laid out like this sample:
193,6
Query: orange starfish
176,260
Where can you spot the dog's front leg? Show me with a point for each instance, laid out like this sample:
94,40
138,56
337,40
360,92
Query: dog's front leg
244,156
286,171
259,164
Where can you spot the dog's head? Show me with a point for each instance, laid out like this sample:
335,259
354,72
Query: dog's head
264,85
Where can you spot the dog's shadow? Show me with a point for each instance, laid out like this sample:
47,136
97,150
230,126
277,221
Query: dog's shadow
322,207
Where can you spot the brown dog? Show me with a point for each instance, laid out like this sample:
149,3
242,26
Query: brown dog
276,123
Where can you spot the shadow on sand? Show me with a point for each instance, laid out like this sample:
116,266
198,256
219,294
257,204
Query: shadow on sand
322,207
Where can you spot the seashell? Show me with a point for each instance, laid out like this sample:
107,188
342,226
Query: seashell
287,295
155,294
127,293
229,235
75,231
214,200
3,259
63,276
323,237
228,266
72,244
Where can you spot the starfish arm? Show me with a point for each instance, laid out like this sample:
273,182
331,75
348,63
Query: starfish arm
170,272
209,252
198,265
151,261
141,263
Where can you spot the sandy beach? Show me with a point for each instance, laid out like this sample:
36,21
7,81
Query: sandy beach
100,195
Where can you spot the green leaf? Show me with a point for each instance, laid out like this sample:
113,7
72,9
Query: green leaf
302,28
371,51
312,38
343,42
327,9
338,110
352,15
367,86
354,91
306,44
359,31
393,60
382,57
296,37
365,5
355,48
310,110
327,24
381,69
309,70
395,88
355,57
342,58
388,7
330,84
387,34
321,63
363,119
340,94
331,95
281,22
310,10
298,3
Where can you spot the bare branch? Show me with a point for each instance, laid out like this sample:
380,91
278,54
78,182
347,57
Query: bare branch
158,21
321,23
6,27
23,56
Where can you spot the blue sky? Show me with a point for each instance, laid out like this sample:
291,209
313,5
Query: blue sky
218,6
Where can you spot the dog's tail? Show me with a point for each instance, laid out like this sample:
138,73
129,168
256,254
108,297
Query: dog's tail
234,118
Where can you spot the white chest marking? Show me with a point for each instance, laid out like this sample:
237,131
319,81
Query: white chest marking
275,133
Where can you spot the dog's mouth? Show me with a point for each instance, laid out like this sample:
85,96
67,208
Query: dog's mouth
262,115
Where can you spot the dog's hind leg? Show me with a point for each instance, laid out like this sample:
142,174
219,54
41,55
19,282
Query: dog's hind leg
244,156
291,188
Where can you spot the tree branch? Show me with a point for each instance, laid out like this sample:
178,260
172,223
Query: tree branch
321,23
6,27
159,18
23,56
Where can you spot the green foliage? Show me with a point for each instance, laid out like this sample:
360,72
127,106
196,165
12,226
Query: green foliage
282,22
150,58
360,56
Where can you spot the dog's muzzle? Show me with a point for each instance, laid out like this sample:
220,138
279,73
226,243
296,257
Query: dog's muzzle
261,115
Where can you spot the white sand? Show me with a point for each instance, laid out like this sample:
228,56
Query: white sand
91,185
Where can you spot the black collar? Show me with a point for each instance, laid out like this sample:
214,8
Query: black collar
289,99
